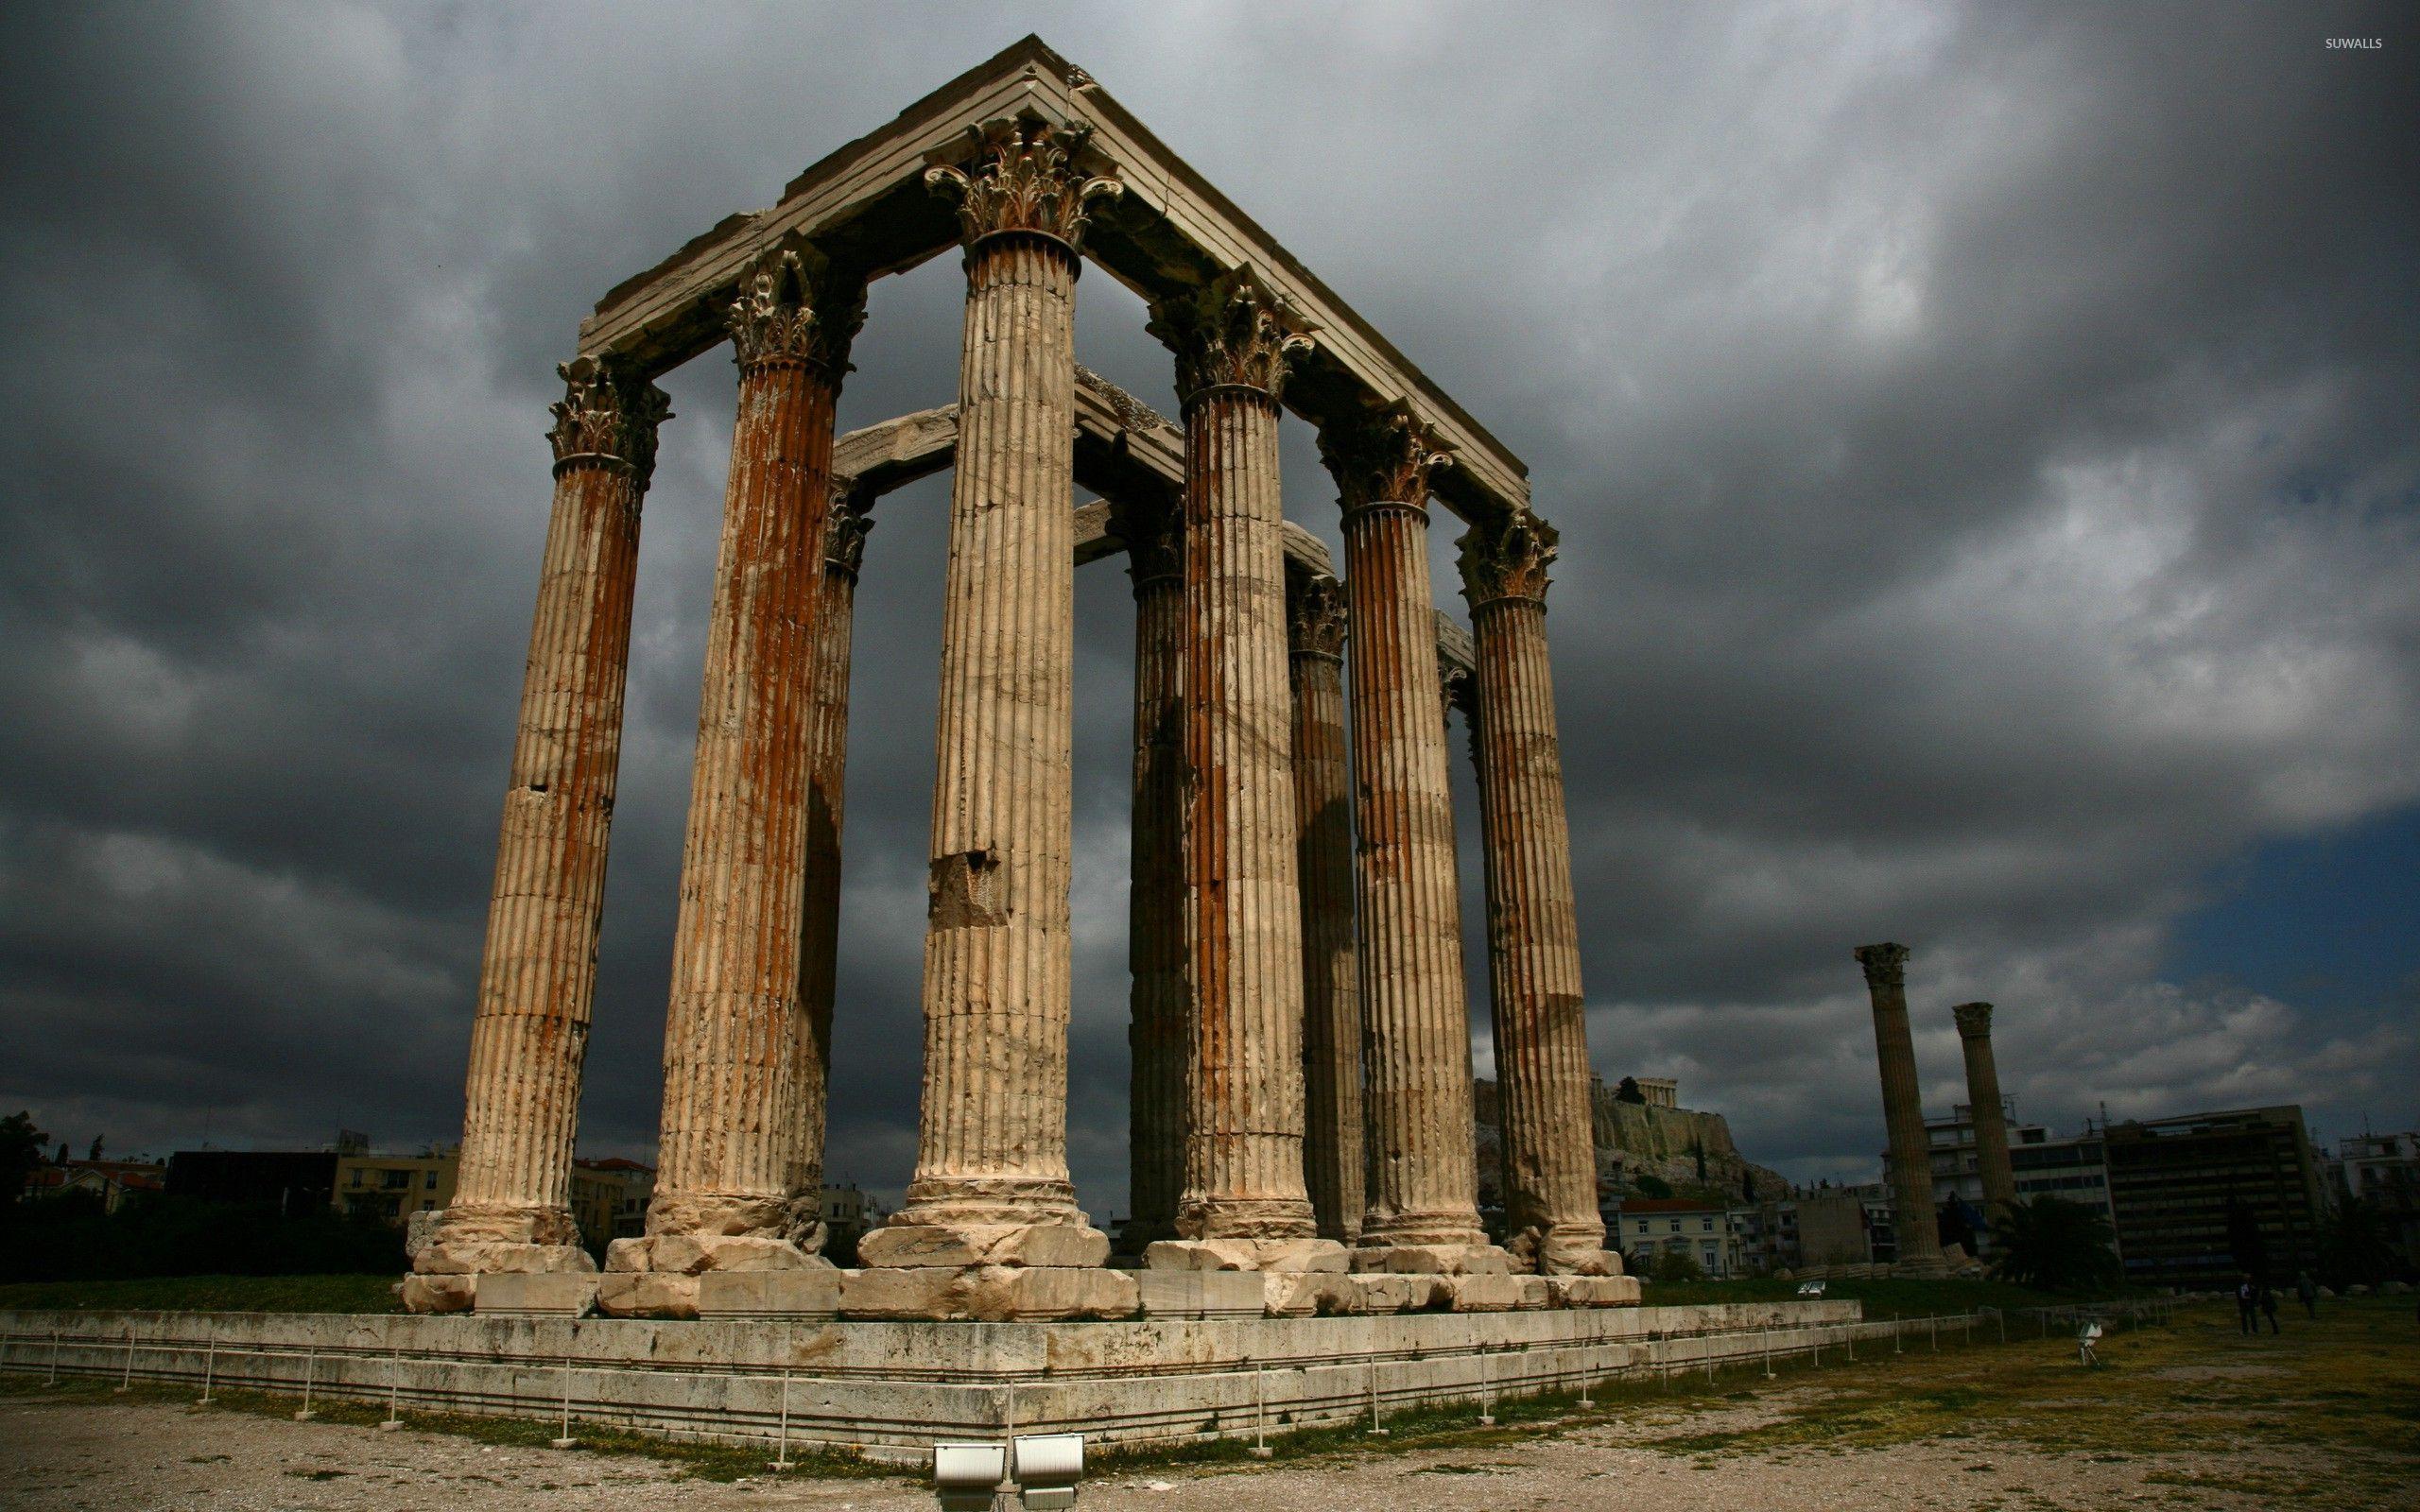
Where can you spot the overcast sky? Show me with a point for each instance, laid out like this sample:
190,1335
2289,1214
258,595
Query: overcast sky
1983,438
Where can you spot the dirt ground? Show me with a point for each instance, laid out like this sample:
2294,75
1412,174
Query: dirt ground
2190,1416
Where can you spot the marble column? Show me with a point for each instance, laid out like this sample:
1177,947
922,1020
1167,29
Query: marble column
1154,535
1244,1203
1532,926
827,760
1335,1153
728,1158
511,1208
991,1185
1912,1216
1423,1208
1983,1100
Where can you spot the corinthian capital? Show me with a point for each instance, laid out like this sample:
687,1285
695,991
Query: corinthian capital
1453,685
1315,617
1885,965
1236,333
1507,558
796,309
1153,531
1383,459
844,538
1022,179
606,412
1974,1020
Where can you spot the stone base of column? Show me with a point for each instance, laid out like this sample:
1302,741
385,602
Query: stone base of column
989,1294
1576,1252
1433,1260
659,1276
471,1242
1286,1255
966,1246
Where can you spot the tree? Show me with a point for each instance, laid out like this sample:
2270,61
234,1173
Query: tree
1676,1265
2245,1241
1651,1185
2054,1245
1628,1091
1697,1147
1747,1184
94,1153
2353,1247
20,1152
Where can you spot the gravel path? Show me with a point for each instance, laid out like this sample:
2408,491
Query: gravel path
86,1458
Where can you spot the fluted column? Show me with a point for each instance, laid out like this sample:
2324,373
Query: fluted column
1983,1103
1155,898
1244,1201
1903,1113
827,762
1538,1011
991,1182
1335,1154
1423,1180
725,1194
511,1208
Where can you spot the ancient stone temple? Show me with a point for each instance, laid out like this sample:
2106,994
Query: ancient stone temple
1302,1080
1903,1112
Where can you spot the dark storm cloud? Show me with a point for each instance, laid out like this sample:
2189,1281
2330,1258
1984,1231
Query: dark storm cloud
1981,437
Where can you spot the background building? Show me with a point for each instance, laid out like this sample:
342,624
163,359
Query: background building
1650,1228
393,1187
2203,1197
2382,1170
2075,1169
609,1199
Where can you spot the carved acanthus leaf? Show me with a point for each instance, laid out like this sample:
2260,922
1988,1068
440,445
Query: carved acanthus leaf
1453,685
1154,536
1315,617
1885,965
1024,178
1235,333
795,307
1974,1020
844,538
1383,457
605,411
1507,557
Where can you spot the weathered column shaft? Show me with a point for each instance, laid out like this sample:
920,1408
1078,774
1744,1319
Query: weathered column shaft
1903,1112
1532,926
1243,1167
826,778
1983,1103
1156,897
538,976
729,1143
1334,1153
991,1152
1423,1184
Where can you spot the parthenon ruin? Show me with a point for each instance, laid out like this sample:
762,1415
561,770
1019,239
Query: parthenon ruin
1300,1063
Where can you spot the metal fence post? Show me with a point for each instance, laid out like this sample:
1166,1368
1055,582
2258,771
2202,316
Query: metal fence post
1376,1429
395,1392
1260,1411
310,1369
1932,1325
1486,1391
1766,1336
781,1446
1584,1378
209,1367
126,1382
54,1358
567,1441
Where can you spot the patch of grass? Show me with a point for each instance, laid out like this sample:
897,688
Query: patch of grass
1884,1298
210,1293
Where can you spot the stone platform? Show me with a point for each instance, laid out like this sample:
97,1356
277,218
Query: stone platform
891,1390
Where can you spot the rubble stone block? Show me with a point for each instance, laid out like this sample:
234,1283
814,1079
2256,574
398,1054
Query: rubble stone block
438,1293
569,1294
1199,1293
646,1294
814,1293
1486,1294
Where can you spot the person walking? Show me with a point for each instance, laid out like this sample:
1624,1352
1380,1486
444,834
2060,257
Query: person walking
2246,1303
2307,1293
2269,1306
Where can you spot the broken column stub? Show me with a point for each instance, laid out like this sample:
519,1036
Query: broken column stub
991,1189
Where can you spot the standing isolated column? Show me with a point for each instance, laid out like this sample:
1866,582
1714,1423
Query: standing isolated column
991,1183
1984,1107
1334,1156
1912,1217
511,1208
1244,1202
1154,535
827,762
1532,925
1424,1178
724,1196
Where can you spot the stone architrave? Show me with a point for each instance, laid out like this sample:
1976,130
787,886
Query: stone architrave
725,1197
511,1208
1334,1153
1912,1217
1984,1105
827,763
1244,1198
1424,1177
991,1185
1532,925
1154,536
